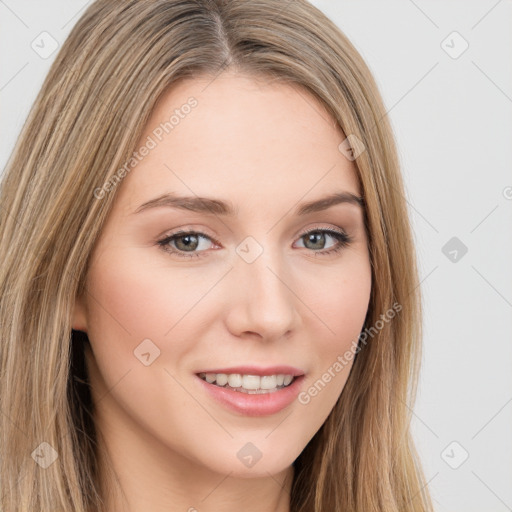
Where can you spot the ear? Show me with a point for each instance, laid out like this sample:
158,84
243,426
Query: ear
79,320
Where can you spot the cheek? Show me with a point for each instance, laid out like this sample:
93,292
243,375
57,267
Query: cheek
340,303
139,299
134,298
339,300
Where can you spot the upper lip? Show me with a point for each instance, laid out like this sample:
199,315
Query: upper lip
257,370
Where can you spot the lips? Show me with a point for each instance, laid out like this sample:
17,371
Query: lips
253,402
256,370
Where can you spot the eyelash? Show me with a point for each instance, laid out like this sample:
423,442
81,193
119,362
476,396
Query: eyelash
343,241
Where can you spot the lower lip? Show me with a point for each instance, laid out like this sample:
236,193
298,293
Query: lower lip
256,404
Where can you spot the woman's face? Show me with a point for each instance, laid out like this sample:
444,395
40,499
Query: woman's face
238,295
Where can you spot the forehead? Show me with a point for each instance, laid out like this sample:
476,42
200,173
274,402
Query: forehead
242,139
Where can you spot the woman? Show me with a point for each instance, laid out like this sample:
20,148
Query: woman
209,290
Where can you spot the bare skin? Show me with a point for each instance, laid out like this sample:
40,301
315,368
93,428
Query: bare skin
266,149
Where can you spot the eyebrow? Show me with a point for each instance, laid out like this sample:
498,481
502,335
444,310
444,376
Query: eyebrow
226,208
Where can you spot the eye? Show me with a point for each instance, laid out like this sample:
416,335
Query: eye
187,244
316,237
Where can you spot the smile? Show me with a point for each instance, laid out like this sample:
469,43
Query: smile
251,384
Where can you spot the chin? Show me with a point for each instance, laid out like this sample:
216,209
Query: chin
248,461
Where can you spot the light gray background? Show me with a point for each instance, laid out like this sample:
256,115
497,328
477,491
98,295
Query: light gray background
452,119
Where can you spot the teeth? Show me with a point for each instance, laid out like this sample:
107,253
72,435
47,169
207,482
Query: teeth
221,378
248,383
268,382
234,380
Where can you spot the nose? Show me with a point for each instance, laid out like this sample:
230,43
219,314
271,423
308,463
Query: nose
262,301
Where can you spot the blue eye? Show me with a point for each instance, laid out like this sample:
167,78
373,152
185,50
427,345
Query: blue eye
343,240
189,241
185,244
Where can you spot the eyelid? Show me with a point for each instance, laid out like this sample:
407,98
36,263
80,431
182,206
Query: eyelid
320,226
200,230
185,230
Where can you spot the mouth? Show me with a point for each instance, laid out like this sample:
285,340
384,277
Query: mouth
249,383
250,390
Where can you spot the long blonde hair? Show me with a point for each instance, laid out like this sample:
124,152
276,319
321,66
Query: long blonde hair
116,63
